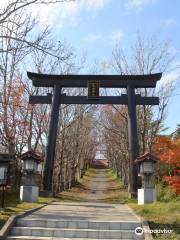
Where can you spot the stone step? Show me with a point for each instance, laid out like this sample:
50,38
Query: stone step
74,233
28,237
49,238
56,223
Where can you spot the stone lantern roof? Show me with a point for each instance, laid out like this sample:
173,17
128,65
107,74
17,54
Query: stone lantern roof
31,154
146,156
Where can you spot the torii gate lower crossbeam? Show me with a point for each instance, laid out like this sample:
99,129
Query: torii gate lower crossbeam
130,82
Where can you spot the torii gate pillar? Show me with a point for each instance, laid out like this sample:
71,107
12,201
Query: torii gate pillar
133,141
51,144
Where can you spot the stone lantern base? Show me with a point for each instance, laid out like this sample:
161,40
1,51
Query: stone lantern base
147,195
29,193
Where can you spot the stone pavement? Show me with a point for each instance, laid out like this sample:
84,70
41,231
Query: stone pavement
87,211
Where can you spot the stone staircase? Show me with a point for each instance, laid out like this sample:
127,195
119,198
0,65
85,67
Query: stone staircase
78,221
48,229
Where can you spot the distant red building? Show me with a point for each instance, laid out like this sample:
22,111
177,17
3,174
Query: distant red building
100,163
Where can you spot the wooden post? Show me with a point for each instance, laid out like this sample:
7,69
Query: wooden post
50,151
133,141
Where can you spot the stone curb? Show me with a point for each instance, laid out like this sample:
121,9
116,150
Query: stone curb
145,225
12,220
146,228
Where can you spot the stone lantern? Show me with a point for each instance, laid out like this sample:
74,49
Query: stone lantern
29,191
146,163
5,159
4,164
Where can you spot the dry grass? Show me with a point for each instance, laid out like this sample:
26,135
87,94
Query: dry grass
161,215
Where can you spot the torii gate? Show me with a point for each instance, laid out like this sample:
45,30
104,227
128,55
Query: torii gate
93,82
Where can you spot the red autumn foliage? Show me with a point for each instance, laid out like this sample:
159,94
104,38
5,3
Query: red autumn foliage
173,182
168,151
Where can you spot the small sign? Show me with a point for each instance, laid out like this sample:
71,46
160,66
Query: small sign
93,89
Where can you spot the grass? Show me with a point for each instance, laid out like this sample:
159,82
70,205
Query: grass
116,192
161,215
78,192
13,206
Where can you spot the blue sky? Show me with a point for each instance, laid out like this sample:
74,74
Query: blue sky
94,26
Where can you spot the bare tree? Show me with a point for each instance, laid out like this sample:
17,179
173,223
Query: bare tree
15,13
25,126
13,6
148,55
76,146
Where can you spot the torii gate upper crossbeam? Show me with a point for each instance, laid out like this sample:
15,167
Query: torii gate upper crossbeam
106,81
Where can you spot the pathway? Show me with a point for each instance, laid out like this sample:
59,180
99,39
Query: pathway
98,185
86,219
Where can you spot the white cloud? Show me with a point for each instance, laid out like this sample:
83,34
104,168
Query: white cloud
170,78
93,37
138,4
116,36
170,22
113,37
94,5
105,66
68,12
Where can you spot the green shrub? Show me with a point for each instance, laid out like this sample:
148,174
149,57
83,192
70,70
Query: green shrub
164,193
